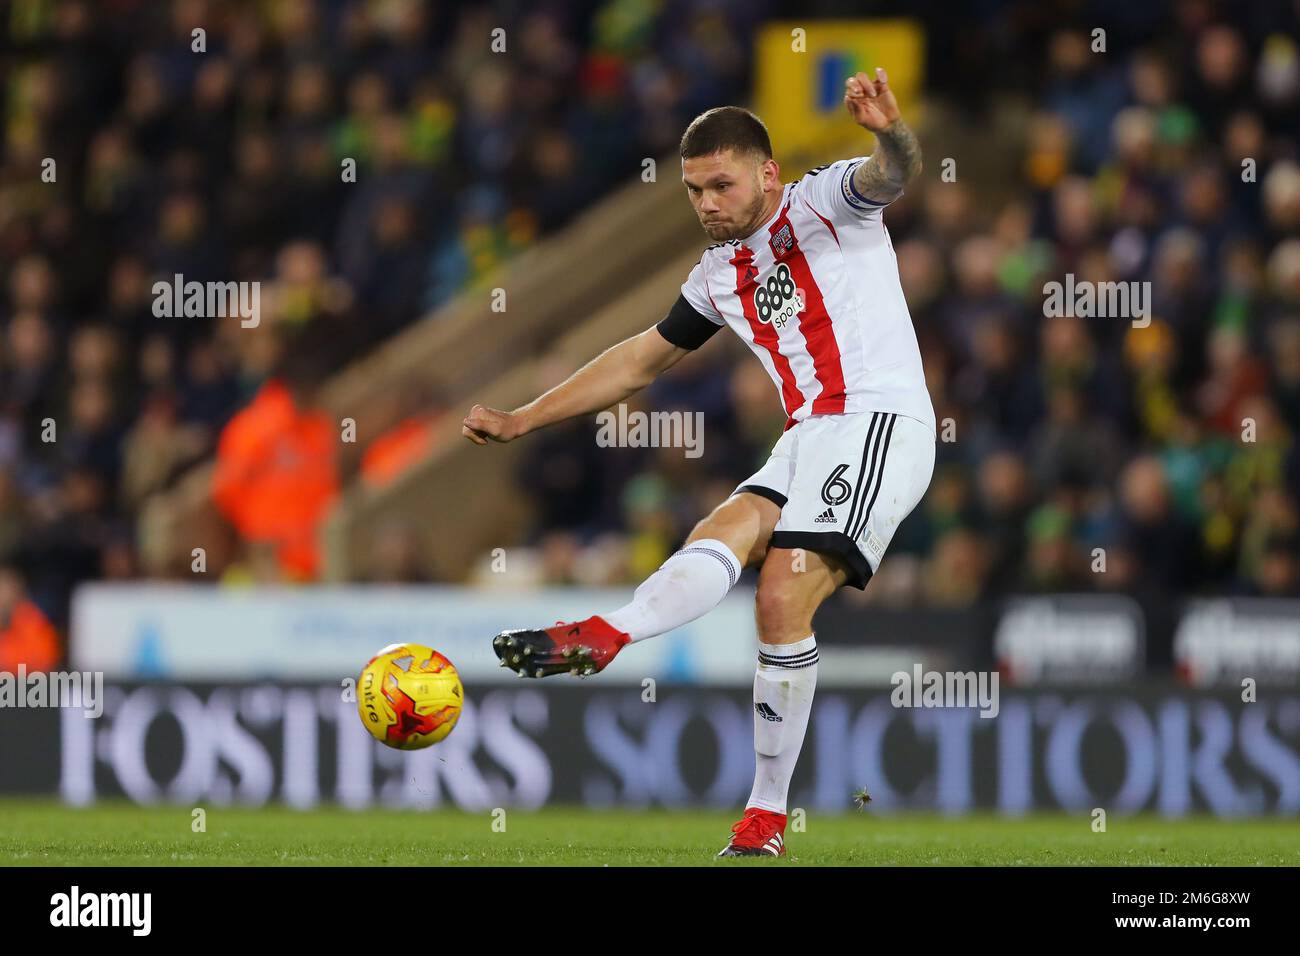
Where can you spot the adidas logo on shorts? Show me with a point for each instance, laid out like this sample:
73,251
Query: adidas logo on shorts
826,516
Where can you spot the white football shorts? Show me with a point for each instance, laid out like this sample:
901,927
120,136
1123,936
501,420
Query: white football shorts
845,483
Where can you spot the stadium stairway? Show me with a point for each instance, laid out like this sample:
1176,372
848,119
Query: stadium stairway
464,498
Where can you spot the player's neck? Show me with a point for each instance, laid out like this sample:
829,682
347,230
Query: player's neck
770,206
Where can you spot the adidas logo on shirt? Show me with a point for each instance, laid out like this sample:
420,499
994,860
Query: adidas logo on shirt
767,713
826,516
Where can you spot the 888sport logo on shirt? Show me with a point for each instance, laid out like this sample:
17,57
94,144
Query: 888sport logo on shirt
777,301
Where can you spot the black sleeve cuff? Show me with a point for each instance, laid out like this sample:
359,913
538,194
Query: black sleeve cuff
686,328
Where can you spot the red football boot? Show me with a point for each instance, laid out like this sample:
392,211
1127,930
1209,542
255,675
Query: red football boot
758,833
583,648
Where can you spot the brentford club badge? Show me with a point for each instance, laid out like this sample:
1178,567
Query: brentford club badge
783,241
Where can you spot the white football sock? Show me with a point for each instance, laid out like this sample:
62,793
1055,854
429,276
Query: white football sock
688,585
783,693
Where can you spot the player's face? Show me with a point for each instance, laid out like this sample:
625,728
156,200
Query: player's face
730,193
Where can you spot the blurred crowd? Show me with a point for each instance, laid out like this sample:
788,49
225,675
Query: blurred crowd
364,160
1165,455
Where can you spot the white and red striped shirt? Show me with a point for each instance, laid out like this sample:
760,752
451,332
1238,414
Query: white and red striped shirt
815,293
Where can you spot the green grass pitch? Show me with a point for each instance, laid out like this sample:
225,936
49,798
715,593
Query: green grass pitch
45,833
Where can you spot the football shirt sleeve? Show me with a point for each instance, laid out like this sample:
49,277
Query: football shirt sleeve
831,193
692,320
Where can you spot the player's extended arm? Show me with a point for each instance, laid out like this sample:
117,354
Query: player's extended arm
897,158
609,378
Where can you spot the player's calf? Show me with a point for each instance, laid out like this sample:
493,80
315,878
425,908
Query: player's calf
744,523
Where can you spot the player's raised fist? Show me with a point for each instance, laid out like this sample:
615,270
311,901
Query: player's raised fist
870,101
483,423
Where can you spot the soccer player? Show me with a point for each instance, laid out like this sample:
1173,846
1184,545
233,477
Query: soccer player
805,274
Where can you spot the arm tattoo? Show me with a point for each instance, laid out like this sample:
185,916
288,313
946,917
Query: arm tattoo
895,163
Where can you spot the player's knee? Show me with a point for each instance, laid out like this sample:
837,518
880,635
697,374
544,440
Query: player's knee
780,610
737,531
758,554
756,544
704,528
